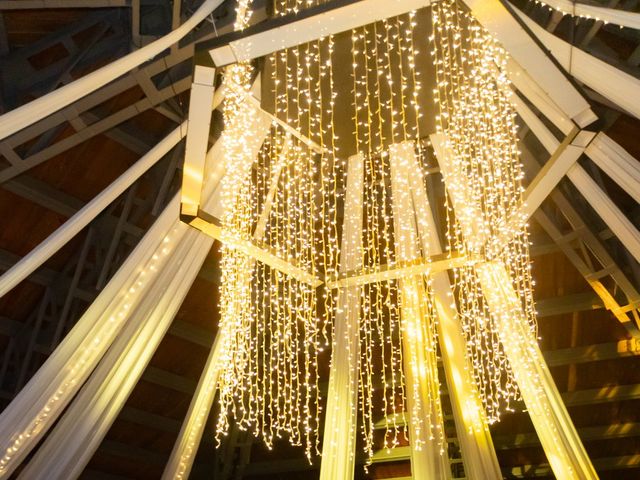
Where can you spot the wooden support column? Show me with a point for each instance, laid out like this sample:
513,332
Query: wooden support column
420,362
478,453
197,138
340,428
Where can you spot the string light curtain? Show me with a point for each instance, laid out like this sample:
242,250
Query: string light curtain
285,201
474,112
386,112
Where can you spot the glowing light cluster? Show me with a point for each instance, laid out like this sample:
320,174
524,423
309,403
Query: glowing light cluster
484,185
284,200
397,326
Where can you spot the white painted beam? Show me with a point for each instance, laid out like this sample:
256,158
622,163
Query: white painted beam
617,221
617,86
349,14
198,126
44,106
500,22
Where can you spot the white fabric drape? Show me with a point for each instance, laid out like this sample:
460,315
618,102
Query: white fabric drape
44,106
71,444
557,434
553,425
36,407
339,439
613,84
499,21
617,163
29,263
422,383
478,454
624,18
154,298
184,450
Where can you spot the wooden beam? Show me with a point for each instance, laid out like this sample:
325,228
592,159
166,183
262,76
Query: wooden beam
260,253
133,453
304,26
613,393
45,4
192,333
169,380
592,353
420,266
600,432
149,420
578,302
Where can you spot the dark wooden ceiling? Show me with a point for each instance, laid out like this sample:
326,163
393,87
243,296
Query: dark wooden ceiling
594,366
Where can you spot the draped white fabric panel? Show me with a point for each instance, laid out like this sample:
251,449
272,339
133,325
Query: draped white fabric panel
478,453
34,410
423,387
617,163
557,434
613,84
73,441
44,106
553,425
624,18
339,439
86,214
617,221
70,446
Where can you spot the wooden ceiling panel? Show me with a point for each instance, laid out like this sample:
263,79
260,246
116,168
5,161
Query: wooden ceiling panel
180,357
115,462
623,371
146,437
27,26
85,170
200,306
159,400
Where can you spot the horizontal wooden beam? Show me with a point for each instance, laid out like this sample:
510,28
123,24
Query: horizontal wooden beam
384,273
45,4
206,225
600,432
149,420
593,353
577,302
169,380
303,26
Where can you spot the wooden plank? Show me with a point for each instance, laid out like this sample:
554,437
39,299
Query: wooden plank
420,266
261,254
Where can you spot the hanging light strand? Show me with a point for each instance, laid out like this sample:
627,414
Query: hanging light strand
472,95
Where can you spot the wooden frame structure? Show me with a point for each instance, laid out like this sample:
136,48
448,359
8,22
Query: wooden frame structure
570,109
